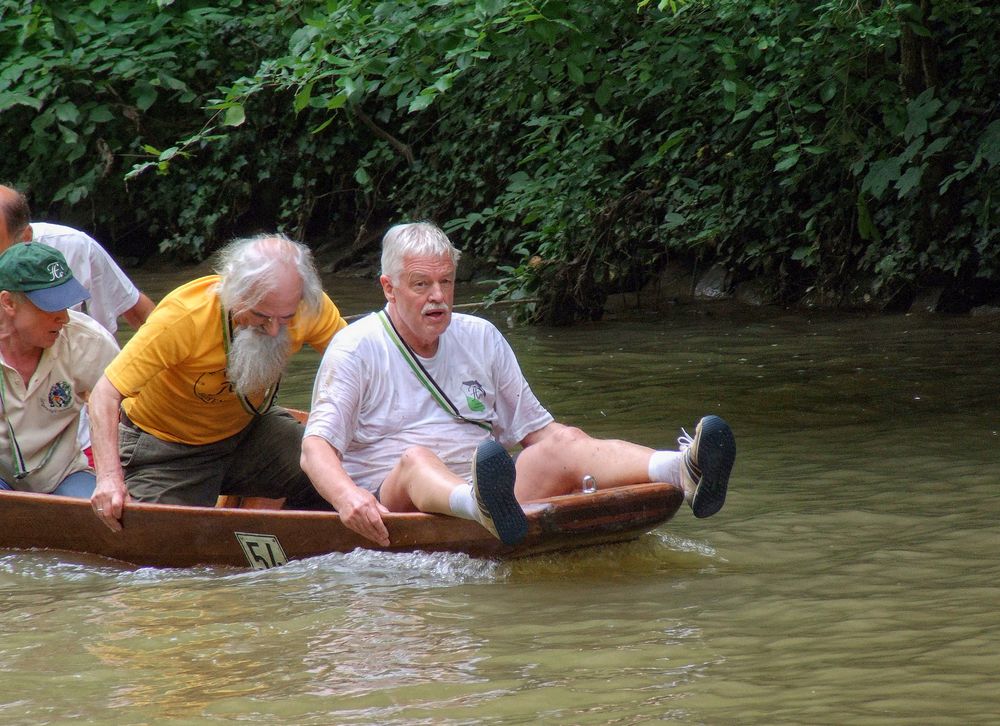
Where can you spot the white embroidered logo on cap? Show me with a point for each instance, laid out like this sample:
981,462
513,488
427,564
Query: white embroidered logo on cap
57,271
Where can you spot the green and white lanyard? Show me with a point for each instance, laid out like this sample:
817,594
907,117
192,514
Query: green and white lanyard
437,393
20,468
269,394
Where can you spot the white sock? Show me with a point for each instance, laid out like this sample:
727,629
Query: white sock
665,466
462,503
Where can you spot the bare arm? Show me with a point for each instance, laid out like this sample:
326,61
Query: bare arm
359,510
137,314
110,495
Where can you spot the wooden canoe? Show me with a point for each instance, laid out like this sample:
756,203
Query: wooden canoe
163,535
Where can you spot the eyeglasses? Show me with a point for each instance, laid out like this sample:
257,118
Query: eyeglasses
266,320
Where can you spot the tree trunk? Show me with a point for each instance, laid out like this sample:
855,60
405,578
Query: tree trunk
919,71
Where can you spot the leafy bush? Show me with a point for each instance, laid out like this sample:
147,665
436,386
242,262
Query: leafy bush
838,148
90,89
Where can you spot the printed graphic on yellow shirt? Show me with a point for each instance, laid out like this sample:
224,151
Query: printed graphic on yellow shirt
213,387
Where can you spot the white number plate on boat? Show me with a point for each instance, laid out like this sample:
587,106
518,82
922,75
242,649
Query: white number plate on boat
263,551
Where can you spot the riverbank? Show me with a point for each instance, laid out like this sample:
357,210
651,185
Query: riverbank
678,284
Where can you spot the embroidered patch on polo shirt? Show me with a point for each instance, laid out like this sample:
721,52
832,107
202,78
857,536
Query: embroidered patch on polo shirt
60,395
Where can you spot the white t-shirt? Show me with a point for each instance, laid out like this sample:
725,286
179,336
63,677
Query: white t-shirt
111,292
45,412
368,404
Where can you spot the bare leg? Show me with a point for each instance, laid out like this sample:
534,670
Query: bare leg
420,482
557,464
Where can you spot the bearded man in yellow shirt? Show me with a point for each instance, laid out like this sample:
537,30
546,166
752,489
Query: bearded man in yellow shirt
186,411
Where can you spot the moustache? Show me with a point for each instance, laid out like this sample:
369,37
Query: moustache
434,308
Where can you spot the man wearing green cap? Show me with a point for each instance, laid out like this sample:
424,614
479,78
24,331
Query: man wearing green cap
50,359
112,293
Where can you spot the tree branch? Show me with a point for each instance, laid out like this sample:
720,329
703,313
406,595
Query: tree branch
398,145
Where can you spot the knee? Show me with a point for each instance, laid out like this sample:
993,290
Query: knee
562,446
417,457
566,437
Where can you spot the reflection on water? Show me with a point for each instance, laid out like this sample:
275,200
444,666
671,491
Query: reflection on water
851,578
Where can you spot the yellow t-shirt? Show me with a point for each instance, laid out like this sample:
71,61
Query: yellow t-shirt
173,371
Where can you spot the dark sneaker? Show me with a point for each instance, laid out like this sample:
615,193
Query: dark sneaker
493,487
708,461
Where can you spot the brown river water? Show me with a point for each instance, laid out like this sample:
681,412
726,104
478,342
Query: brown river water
852,578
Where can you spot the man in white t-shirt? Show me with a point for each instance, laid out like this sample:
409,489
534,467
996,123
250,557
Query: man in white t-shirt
50,359
112,293
413,409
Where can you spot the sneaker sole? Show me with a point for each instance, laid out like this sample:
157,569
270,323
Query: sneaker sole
716,454
493,475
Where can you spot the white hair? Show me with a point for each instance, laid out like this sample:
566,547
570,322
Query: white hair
248,270
418,239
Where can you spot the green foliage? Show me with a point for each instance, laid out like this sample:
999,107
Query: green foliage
90,88
845,147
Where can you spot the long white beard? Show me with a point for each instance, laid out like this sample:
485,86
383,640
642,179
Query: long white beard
256,360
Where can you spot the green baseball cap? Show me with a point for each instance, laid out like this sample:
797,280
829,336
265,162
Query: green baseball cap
41,273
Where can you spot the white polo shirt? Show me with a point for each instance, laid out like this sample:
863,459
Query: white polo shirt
44,413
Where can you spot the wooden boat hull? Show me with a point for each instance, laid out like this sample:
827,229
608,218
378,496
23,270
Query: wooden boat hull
162,535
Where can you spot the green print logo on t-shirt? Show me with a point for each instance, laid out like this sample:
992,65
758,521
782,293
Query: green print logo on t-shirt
474,395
